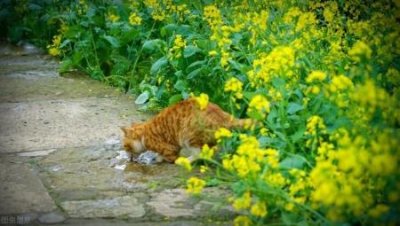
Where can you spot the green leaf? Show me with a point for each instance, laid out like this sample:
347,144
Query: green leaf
175,99
278,83
142,98
294,107
293,161
190,50
298,134
236,65
64,43
195,64
194,73
153,45
180,85
155,68
113,41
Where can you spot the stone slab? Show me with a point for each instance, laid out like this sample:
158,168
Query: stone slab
26,87
125,206
121,222
92,173
51,218
21,190
52,124
176,203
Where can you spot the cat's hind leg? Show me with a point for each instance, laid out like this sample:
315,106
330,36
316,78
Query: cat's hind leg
190,152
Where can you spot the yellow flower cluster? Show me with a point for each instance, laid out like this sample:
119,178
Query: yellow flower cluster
359,51
346,179
340,83
315,124
112,17
184,162
242,221
202,101
318,76
258,25
180,10
249,156
259,209
195,185
206,152
330,11
54,49
235,86
260,105
279,61
315,76
242,202
177,48
158,13
222,133
213,16
220,32
135,19
305,19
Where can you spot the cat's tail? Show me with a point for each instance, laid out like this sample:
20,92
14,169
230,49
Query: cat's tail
243,123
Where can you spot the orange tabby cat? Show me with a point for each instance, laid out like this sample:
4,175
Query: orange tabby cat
181,126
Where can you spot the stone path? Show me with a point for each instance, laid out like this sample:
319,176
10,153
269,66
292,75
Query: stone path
61,160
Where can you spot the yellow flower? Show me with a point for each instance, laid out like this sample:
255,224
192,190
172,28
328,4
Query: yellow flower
260,104
182,161
264,131
292,13
135,19
57,40
213,16
360,49
54,47
54,51
179,42
227,164
378,210
112,17
340,83
202,101
221,133
242,202
206,152
313,90
242,221
314,124
328,15
203,169
212,53
234,85
275,179
316,76
259,209
195,185
305,19
225,56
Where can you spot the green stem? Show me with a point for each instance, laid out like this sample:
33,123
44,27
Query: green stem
139,55
94,49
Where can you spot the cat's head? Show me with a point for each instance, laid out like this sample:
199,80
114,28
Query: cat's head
133,140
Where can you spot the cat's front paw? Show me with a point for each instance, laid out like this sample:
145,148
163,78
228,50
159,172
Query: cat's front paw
148,158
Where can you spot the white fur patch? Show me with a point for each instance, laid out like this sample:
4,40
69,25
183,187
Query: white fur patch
138,146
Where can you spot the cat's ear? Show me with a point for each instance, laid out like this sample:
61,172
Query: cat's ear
124,129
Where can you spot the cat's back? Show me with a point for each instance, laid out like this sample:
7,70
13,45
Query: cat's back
172,120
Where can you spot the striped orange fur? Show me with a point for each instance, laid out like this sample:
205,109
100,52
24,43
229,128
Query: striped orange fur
181,126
